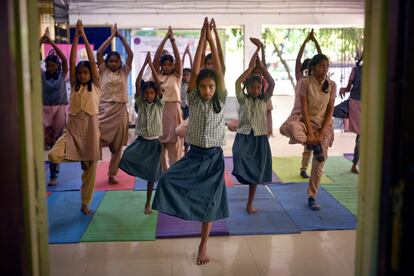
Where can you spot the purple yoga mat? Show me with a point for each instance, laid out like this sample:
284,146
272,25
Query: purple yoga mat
228,163
349,156
172,227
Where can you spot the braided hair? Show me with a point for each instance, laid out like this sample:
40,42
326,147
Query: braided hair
250,80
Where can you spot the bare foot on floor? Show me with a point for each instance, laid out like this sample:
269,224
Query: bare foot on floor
53,181
85,210
250,209
202,257
112,180
147,210
354,169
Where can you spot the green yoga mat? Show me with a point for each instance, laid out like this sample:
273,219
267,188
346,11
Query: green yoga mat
345,189
288,168
120,217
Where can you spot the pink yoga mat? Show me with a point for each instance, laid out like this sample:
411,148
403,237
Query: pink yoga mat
125,181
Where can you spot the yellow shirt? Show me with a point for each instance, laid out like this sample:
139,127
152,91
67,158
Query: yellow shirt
85,100
114,85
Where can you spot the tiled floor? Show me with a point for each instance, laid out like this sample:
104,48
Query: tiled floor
308,253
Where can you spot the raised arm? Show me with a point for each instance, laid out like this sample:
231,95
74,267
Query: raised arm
72,59
91,58
271,83
218,44
317,46
130,54
187,52
59,52
216,62
178,71
139,78
298,65
197,57
260,46
105,44
244,76
157,56
156,79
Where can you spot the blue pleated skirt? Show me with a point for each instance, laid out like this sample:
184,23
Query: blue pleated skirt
193,188
252,159
142,159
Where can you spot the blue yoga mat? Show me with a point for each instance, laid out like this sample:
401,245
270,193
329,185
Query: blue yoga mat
332,215
69,178
270,218
66,222
141,184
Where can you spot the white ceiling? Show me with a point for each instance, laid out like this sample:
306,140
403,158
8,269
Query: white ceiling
190,13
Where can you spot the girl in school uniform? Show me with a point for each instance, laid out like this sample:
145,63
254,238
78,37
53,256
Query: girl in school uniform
193,188
252,158
81,139
55,100
314,127
113,114
142,157
170,78
351,108
301,72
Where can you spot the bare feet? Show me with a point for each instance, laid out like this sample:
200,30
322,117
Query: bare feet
53,181
202,257
112,180
250,209
85,210
147,210
354,169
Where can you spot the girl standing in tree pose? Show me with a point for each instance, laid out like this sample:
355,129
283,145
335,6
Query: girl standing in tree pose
193,188
55,100
301,72
252,158
113,114
142,157
170,78
81,139
314,128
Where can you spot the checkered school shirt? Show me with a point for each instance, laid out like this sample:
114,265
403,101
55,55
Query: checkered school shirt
252,115
205,127
149,121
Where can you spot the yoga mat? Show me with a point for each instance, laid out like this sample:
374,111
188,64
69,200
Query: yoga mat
172,227
228,162
125,181
66,222
121,217
69,178
141,184
332,215
346,186
288,169
337,165
270,218
349,156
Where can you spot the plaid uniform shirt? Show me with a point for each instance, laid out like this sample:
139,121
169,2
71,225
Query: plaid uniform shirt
149,121
205,127
252,115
